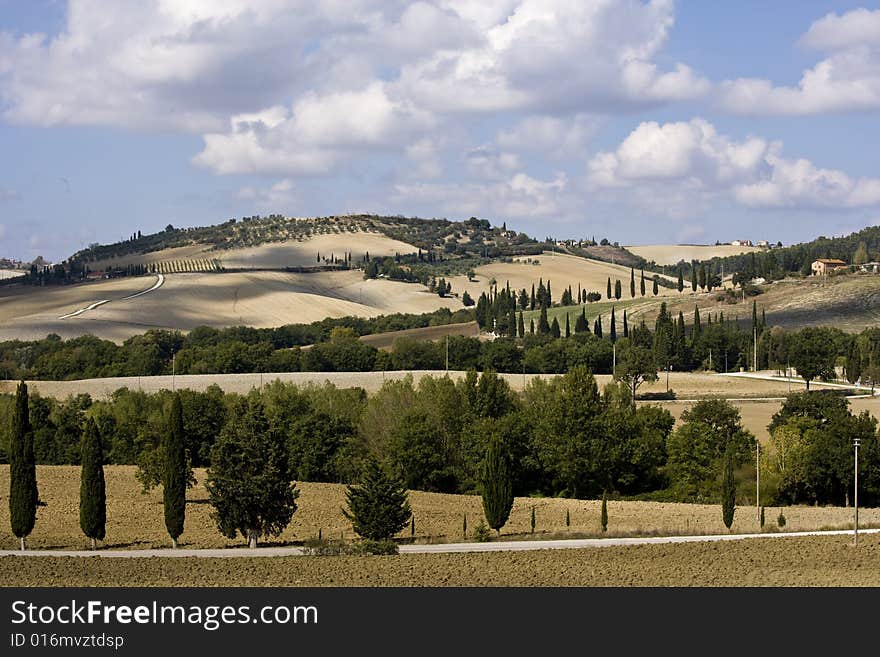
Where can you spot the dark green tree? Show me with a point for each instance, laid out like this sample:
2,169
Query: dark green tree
812,353
604,515
612,331
378,506
632,283
175,473
92,493
554,328
567,326
249,483
608,289
617,289
680,285
642,284
496,483
23,495
655,289
728,487
521,327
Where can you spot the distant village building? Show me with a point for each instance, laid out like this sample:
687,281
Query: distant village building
826,265
763,243
741,243
871,267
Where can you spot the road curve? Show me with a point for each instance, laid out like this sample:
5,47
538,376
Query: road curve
76,313
434,548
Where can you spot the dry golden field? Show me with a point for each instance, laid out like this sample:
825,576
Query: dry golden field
386,340
810,561
560,269
135,521
687,385
260,299
672,254
273,255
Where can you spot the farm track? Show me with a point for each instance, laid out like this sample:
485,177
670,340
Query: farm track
433,548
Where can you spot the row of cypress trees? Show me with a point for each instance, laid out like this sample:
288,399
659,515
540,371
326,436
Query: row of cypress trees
24,495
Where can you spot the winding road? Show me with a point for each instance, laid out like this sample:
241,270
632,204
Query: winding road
160,281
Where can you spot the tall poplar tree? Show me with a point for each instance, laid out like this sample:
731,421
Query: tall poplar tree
23,494
92,492
728,489
174,474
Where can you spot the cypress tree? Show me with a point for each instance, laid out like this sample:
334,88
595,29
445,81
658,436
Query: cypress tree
497,484
642,284
580,324
533,520
693,276
23,494
543,324
532,326
378,507
612,332
464,525
567,326
174,473
625,325
656,280
617,289
762,517
597,327
608,289
521,326
697,328
412,526
92,494
567,518
680,285
632,282
549,294
604,515
554,328
728,489
511,322
532,299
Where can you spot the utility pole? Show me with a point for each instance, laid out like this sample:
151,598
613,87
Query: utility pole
856,494
755,355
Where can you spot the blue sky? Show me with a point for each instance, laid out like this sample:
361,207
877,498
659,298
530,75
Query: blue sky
646,122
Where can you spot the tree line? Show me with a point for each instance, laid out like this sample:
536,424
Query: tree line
562,436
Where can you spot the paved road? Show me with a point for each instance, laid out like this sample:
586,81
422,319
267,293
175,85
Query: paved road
436,548
160,280
771,377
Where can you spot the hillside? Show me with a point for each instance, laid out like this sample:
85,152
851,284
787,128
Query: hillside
672,254
850,302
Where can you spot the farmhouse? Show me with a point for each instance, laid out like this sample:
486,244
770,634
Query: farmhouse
825,265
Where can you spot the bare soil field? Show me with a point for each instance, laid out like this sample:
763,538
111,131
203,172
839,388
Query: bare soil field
672,254
259,299
11,273
808,561
136,521
560,269
687,385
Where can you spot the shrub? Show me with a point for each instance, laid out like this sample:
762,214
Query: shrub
482,534
780,521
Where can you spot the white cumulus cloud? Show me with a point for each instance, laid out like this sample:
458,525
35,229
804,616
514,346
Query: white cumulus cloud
847,79
678,164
